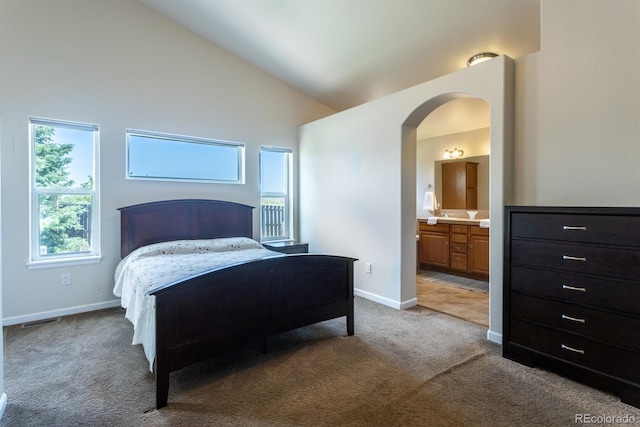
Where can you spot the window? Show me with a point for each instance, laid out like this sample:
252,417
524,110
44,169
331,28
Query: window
64,196
275,193
152,155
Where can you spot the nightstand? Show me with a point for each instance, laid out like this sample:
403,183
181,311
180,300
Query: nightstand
288,247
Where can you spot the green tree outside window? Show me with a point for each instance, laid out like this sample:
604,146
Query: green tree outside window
65,219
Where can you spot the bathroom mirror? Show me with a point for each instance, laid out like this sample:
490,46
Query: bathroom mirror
482,182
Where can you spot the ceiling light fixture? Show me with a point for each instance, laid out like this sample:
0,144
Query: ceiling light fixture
453,154
480,57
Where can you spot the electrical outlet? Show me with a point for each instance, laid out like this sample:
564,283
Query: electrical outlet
65,279
367,268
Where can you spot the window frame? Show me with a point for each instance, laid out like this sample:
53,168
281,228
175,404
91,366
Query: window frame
240,156
93,255
287,196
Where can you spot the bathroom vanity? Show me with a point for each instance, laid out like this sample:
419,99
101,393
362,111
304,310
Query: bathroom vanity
454,245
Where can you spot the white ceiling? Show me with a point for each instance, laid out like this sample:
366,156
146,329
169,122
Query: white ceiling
347,52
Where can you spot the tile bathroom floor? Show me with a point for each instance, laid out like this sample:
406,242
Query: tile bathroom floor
460,297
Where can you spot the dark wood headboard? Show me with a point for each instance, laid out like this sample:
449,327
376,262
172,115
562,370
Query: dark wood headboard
168,220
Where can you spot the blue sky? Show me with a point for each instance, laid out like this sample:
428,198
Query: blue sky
156,157
82,165
273,172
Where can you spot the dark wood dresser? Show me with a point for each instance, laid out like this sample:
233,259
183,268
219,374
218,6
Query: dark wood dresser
572,294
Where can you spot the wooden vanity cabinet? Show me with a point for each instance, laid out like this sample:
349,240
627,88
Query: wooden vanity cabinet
572,294
455,248
434,244
460,185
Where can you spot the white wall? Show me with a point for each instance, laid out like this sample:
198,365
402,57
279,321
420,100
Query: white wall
358,178
577,129
3,395
120,64
578,114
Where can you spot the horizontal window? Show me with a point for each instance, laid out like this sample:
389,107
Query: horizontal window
152,155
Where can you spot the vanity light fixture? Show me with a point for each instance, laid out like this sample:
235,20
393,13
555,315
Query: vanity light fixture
453,154
480,57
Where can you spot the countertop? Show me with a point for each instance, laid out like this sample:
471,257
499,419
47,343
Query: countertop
454,220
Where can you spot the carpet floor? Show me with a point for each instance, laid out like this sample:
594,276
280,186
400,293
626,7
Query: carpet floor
402,368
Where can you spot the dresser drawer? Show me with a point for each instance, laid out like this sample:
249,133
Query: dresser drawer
580,258
439,228
460,229
566,346
459,238
599,325
461,248
606,229
459,261
602,292
478,231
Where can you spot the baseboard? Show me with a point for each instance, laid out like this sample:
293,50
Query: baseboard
3,404
408,304
15,320
494,337
386,301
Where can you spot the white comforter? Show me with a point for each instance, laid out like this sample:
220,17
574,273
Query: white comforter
161,263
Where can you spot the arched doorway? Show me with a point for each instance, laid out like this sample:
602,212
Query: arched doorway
501,118
452,274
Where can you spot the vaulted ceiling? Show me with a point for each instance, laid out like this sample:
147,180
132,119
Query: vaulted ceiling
347,52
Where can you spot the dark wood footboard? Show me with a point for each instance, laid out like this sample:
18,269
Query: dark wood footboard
226,307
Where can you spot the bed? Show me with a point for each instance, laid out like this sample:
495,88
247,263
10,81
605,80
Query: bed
222,306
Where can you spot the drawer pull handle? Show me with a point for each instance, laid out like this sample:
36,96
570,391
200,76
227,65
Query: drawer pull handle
575,350
573,288
574,258
574,227
573,319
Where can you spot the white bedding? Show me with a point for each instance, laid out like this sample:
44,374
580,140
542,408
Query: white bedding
161,263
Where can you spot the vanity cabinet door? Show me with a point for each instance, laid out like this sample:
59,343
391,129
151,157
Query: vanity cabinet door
479,250
434,245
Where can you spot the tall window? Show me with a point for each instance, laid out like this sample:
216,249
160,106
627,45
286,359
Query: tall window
162,156
275,193
64,190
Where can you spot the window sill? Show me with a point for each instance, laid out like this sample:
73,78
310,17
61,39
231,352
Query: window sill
63,262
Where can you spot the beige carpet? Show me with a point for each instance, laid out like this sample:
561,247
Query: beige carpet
404,368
